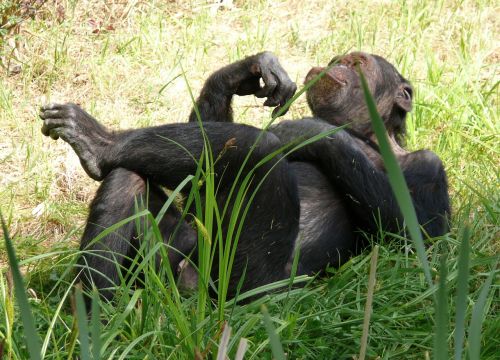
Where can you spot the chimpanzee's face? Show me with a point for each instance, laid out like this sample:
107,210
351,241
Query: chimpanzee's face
338,97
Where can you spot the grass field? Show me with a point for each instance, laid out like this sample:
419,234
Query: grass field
123,61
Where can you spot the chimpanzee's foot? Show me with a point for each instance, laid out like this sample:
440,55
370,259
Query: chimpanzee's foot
86,136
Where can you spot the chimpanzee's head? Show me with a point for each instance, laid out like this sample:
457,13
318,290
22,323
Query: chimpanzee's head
338,97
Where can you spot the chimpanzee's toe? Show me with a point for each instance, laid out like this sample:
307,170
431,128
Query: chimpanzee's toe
73,125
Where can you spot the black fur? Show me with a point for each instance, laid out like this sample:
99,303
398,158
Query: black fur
319,197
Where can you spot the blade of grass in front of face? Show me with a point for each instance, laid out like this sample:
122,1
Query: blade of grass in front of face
397,181
30,333
306,87
477,318
274,340
462,292
83,329
441,314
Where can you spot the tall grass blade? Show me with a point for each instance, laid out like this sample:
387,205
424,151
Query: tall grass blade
83,329
116,226
477,318
31,336
137,340
372,279
224,342
95,325
274,339
242,348
270,287
397,181
442,318
462,292
55,316
206,214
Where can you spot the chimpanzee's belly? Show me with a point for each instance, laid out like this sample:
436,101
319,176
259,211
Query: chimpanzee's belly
326,234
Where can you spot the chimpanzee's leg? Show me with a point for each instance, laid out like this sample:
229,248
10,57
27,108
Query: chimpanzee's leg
271,224
167,154
369,194
102,261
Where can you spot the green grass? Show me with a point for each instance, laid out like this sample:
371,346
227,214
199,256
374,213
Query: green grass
124,63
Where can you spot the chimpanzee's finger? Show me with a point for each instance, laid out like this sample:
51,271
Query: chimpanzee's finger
54,134
51,106
287,90
51,114
51,124
278,97
272,101
270,83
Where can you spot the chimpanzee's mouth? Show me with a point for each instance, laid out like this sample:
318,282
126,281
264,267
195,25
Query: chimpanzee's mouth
336,75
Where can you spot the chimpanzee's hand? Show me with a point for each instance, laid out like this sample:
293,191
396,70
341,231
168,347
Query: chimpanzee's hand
278,87
85,135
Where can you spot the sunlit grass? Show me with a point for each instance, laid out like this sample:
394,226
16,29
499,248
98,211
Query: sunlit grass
124,63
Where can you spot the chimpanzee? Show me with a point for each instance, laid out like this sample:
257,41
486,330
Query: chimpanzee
325,196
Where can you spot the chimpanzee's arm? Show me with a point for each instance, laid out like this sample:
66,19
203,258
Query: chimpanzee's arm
243,78
366,188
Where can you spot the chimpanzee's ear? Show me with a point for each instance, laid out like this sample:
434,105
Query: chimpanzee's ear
404,97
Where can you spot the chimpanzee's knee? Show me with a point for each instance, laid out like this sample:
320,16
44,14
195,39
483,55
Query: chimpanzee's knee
424,164
102,258
428,184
